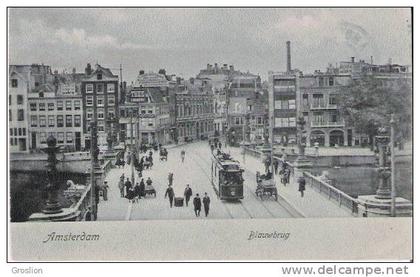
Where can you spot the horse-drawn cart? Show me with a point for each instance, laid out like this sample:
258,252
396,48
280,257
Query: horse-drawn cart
266,187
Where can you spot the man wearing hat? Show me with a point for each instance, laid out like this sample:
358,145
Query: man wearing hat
170,193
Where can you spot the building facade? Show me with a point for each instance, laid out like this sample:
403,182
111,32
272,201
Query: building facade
100,101
144,117
18,113
194,110
56,113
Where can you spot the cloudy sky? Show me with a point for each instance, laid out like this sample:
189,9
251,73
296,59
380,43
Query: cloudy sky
184,40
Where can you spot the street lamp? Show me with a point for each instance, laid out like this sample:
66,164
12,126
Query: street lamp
382,141
52,206
301,123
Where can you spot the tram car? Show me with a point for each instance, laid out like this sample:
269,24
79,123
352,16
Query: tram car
226,177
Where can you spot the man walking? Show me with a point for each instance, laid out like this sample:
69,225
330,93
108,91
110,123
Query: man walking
170,193
187,194
104,189
302,184
276,166
206,203
127,186
182,155
197,205
170,178
121,187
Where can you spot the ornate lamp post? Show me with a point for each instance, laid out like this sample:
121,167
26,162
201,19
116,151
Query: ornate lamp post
301,126
384,171
301,163
52,206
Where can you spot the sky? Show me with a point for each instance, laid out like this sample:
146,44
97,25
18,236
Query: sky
183,41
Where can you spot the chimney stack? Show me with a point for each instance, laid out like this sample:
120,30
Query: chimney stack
289,57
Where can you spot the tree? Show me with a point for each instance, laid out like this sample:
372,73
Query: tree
367,106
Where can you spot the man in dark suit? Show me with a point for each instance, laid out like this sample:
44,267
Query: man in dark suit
187,194
170,193
206,203
197,205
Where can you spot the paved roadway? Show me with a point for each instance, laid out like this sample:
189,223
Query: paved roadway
196,172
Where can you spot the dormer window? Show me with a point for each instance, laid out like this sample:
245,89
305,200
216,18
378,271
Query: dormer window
99,76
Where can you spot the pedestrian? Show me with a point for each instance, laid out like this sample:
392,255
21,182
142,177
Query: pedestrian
130,194
182,155
170,193
212,148
170,178
276,166
206,203
302,184
287,175
137,192
187,194
267,164
142,188
127,185
104,189
149,181
197,205
121,187
220,145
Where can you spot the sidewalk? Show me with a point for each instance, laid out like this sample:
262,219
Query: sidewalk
312,204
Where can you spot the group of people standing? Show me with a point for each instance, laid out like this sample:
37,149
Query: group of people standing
281,168
133,193
187,196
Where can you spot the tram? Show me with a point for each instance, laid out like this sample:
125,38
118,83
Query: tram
226,177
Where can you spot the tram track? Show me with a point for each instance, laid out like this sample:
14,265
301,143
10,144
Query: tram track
225,206
261,203
286,209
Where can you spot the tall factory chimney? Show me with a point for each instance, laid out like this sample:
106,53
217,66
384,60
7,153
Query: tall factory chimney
289,57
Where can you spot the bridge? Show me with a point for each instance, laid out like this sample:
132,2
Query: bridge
195,171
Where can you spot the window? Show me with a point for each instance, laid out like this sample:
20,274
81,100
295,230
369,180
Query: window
332,99
77,121
68,105
60,137
69,120
19,99
318,117
10,115
69,137
23,131
42,122
11,141
43,137
101,126
89,100
51,121
42,106
101,113
77,105
10,100
50,106
111,100
111,114
99,76
321,81
89,113
150,122
100,88
318,100
34,121
110,88
19,131
89,88
331,81
292,121
14,83
11,132
59,105
100,101
60,121
21,115
292,104
32,106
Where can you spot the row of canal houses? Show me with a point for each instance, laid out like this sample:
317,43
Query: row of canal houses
155,108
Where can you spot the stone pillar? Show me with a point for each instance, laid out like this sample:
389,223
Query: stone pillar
301,164
52,206
384,190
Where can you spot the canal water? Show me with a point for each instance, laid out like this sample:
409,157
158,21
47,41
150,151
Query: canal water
364,180
28,195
